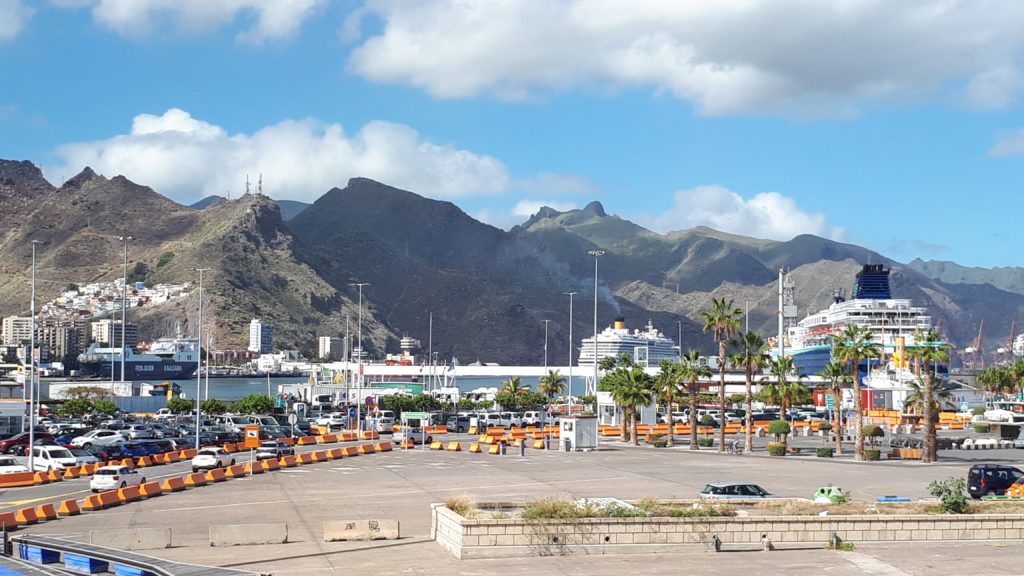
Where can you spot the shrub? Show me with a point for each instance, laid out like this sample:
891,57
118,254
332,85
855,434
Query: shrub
872,454
951,494
705,442
462,505
825,426
659,444
982,428
551,508
776,449
616,511
778,427
701,511
979,411
841,498
824,452
706,420
846,546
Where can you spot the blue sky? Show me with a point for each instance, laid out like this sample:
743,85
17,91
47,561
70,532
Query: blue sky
897,126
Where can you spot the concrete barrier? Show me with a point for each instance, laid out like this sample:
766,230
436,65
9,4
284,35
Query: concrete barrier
319,456
335,530
144,461
454,447
407,444
236,471
46,512
129,494
328,438
366,449
150,489
539,445
494,449
474,448
436,445
40,478
350,451
7,521
196,479
88,469
270,465
69,508
248,534
216,475
171,457
26,516
132,538
306,440
383,447
288,462
304,458
334,454
369,435
17,479
174,484
72,472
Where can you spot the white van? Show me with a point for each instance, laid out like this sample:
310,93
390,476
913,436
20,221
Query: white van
233,422
534,418
54,457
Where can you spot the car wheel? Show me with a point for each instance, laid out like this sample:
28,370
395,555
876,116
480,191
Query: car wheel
87,445
461,430
195,469
124,484
142,480
232,462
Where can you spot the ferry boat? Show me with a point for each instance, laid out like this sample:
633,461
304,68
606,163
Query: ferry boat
648,347
895,323
167,359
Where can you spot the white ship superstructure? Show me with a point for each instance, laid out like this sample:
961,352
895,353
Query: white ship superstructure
647,347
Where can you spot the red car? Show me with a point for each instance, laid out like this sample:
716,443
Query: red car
16,444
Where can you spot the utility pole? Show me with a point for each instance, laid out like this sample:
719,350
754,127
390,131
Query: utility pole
546,322
32,370
359,382
124,308
597,255
199,359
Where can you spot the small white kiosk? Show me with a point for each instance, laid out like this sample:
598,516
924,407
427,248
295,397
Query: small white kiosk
576,433
612,415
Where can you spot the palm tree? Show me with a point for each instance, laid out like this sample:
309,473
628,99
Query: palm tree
835,374
667,385
630,388
691,370
933,352
752,355
914,401
723,320
778,387
851,346
551,384
515,388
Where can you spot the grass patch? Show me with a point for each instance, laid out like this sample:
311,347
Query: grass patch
559,509
462,505
701,511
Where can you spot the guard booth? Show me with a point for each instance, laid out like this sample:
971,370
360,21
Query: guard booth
577,433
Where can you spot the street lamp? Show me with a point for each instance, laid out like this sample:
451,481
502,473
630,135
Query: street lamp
199,359
680,323
570,295
546,345
597,255
124,307
359,336
32,369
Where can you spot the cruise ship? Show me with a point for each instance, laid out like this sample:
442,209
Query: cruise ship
167,359
648,347
894,322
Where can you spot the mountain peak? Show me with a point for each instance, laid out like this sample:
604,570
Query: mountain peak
82,178
595,208
207,202
22,179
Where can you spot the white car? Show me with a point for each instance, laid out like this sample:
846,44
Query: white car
384,424
9,465
333,420
100,437
52,457
533,418
209,458
114,477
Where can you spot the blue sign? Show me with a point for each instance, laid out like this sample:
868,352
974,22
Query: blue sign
351,412
964,407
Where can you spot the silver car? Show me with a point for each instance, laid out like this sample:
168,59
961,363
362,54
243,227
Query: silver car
139,432
733,491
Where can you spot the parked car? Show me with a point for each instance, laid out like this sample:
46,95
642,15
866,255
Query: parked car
99,437
134,450
384,424
83,456
535,418
209,458
733,490
9,465
17,443
458,423
273,449
412,433
333,420
138,432
984,479
513,418
52,457
114,477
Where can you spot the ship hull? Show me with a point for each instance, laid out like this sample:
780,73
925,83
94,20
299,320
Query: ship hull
146,370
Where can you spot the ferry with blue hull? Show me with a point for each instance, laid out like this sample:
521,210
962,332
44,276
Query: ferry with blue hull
167,359
895,323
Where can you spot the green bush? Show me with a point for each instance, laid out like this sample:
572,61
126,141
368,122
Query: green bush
778,427
707,420
705,442
659,444
979,411
701,511
872,431
872,454
825,426
824,452
982,428
777,449
951,494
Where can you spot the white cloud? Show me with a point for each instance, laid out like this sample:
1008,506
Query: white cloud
766,215
526,208
1009,143
13,16
726,56
273,19
186,159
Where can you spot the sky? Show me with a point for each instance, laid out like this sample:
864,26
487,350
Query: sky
893,125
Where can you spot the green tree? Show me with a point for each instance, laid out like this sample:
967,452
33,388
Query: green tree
851,346
723,320
104,407
995,380
668,386
551,384
254,404
75,407
531,399
836,376
752,354
691,370
91,393
512,388
607,363
179,405
631,388
214,406
778,386
933,352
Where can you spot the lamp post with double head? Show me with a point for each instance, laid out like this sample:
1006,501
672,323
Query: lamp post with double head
359,337
199,359
570,295
597,255
32,368
124,307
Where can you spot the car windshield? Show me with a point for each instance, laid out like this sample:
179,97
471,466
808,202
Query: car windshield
59,453
9,462
207,452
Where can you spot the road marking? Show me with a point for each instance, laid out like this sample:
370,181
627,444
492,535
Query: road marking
871,565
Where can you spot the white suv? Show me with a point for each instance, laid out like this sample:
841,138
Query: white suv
99,437
46,458
209,458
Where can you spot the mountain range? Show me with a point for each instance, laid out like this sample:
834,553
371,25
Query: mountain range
431,271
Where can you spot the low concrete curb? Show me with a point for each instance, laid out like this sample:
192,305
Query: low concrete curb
132,538
248,534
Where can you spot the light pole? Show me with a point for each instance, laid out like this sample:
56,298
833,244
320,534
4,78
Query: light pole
546,322
124,307
32,369
359,336
680,323
199,359
570,295
597,255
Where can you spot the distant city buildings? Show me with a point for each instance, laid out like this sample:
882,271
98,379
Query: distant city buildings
108,332
16,330
331,348
261,337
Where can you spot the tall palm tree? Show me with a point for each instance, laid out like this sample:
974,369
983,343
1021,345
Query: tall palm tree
723,320
835,374
851,346
551,384
752,354
933,352
631,388
995,380
692,371
515,388
778,387
667,385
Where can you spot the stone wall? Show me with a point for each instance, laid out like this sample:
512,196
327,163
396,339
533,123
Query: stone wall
490,538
